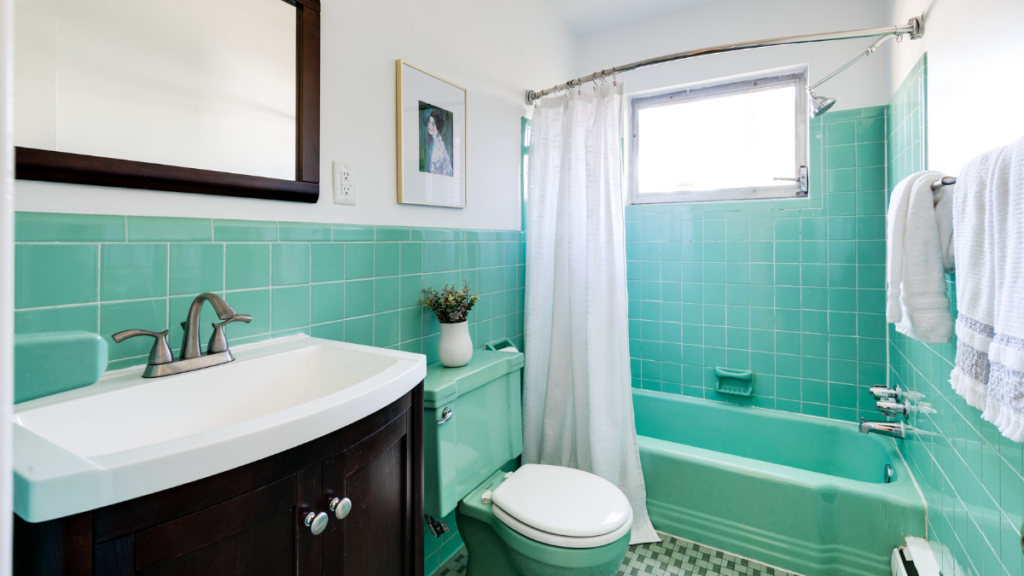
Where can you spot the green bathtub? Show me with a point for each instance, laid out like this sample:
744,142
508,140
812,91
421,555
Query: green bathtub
803,494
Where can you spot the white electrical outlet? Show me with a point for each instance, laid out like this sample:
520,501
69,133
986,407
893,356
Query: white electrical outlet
344,184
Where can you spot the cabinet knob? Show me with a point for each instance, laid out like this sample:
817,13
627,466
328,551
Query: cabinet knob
317,522
341,507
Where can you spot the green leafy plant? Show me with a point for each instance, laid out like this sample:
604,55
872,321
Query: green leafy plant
451,304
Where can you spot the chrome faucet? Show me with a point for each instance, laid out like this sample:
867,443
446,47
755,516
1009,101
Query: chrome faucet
161,363
218,343
891,429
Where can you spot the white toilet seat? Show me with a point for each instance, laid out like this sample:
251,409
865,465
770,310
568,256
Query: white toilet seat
558,540
562,506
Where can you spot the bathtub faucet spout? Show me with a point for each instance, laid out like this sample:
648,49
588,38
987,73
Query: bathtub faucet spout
892,429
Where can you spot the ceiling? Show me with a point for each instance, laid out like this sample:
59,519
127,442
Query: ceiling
587,16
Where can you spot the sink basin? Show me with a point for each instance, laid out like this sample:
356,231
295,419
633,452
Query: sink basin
126,436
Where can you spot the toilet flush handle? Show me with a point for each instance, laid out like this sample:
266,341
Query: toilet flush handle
446,415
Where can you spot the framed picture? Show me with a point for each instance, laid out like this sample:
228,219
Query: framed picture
431,139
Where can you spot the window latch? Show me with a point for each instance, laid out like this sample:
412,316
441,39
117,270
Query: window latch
801,179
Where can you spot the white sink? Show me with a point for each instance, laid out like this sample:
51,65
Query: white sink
126,436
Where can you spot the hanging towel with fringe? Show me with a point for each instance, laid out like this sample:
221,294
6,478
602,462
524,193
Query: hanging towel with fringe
988,223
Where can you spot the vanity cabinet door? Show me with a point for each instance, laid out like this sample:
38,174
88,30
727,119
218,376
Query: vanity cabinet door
376,538
258,533
250,520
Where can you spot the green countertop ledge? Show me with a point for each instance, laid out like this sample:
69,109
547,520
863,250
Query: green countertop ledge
52,362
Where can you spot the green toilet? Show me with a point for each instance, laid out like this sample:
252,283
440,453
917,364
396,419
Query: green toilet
537,521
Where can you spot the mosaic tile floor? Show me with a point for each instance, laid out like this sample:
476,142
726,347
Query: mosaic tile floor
671,556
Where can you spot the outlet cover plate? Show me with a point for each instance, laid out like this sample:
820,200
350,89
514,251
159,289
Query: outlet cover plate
344,184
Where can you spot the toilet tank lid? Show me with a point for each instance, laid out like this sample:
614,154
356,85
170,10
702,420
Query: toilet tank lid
442,385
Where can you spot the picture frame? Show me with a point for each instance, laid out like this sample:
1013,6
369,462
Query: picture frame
431,138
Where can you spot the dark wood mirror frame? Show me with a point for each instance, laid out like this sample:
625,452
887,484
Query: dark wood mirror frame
52,166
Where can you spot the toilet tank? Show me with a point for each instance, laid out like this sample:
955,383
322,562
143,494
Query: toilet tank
484,431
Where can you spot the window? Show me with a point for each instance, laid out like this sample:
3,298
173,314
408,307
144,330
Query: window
742,140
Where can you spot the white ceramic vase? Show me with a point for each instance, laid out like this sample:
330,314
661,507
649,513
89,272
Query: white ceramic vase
455,347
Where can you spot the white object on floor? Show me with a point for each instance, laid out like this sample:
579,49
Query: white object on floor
919,252
917,552
577,398
126,436
989,242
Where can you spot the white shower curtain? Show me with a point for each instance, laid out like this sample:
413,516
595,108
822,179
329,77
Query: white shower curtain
577,401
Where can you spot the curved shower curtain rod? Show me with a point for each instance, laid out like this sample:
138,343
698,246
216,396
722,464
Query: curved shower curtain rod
914,27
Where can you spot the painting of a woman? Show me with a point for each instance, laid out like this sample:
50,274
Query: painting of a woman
436,140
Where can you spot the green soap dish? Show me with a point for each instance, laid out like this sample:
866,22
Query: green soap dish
734,382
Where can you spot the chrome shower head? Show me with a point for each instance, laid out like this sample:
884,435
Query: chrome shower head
820,104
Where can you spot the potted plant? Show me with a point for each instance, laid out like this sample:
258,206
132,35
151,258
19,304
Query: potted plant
451,306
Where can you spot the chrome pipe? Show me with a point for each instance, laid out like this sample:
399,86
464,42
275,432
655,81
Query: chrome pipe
867,52
914,28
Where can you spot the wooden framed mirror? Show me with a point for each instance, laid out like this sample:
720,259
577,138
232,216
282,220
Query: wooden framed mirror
192,96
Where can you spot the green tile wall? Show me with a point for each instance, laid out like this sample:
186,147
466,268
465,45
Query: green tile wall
971,476
791,289
357,284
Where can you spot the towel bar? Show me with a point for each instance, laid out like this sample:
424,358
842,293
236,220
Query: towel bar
946,181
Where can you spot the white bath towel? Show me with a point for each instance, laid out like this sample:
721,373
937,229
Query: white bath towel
919,252
989,238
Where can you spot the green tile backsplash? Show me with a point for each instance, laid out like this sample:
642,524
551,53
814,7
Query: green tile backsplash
353,283
791,289
971,476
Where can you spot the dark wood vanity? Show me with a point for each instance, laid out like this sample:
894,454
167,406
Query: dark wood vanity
251,520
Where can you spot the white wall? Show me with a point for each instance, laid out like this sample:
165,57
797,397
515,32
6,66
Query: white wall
495,49
975,62
730,21
6,281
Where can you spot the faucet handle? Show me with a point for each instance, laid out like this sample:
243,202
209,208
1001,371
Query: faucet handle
218,341
159,354
893,408
883,392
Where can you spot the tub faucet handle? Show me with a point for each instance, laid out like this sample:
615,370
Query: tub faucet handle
893,408
883,392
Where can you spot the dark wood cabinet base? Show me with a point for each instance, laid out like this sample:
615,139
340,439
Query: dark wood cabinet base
250,520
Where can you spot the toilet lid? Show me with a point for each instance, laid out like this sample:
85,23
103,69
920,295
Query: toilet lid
563,501
562,541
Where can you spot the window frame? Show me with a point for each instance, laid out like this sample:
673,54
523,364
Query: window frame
754,84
